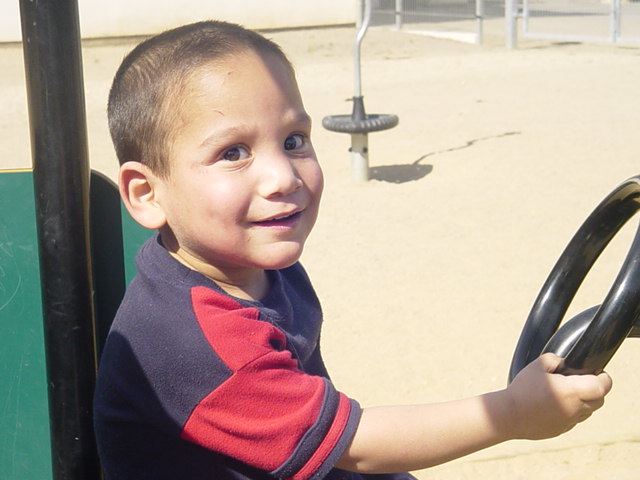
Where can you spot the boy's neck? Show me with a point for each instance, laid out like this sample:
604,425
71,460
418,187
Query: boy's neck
244,283
254,292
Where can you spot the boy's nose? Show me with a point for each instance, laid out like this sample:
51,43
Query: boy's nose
278,176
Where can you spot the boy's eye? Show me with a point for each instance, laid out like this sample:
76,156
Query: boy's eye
235,153
294,142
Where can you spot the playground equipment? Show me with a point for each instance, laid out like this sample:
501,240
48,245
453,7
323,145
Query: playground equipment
61,183
588,341
359,124
62,268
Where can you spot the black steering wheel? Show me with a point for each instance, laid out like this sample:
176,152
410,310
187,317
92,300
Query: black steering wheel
588,341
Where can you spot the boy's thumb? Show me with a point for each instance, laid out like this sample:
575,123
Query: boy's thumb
550,362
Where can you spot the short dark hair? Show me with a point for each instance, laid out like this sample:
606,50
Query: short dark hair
145,93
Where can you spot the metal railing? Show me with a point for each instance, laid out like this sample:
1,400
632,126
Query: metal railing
593,21
590,21
460,19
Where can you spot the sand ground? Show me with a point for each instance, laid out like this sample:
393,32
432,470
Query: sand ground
427,272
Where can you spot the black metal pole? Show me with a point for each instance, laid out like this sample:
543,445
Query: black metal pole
51,42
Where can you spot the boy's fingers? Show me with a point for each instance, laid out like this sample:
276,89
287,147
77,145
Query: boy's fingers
585,416
599,389
593,388
550,362
595,404
606,381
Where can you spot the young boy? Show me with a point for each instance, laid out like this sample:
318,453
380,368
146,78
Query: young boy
212,369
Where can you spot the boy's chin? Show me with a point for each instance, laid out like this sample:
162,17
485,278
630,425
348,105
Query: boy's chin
280,264
281,260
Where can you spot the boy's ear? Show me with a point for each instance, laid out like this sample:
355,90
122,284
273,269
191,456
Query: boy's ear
137,189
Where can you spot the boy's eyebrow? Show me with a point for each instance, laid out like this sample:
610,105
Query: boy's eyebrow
224,132
301,117
298,118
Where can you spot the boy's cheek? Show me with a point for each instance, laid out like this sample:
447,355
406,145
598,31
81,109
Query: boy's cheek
318,181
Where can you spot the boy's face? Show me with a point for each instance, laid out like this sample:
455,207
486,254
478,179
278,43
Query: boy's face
244,184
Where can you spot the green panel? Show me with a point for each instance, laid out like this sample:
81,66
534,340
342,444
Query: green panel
107,212
115,238
25,452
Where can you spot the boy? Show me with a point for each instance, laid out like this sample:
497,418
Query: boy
212,369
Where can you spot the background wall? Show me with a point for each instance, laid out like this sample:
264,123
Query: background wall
142,17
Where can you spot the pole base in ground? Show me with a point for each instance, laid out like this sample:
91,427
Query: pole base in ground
359,157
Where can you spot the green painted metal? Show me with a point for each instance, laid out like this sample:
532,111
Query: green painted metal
25,443
115,239
25,451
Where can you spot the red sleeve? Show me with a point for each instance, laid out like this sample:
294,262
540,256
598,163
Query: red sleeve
267,412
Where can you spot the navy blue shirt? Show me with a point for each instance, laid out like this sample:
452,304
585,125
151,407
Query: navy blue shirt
197,384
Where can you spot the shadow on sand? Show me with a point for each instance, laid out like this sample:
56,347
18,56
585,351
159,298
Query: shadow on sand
415,171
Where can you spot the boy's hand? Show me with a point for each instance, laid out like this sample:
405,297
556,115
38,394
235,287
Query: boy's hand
537,404
545,404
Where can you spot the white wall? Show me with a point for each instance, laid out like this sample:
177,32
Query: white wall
112,18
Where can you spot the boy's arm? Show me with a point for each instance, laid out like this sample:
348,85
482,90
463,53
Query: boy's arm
537,404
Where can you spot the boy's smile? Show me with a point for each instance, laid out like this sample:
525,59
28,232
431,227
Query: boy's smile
244,185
